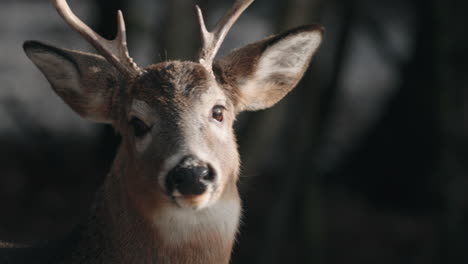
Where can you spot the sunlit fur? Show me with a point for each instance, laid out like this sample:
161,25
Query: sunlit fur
134,219
175,99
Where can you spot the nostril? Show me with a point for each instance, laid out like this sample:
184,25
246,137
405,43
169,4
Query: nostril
201,172
209,174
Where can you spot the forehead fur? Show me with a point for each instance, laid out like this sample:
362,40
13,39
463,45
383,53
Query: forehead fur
170,82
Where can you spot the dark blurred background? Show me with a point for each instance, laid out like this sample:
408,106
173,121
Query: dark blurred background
364,162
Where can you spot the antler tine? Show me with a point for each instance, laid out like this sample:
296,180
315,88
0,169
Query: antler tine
211,41
115,51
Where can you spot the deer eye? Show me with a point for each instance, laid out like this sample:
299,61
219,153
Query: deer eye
217,113
139,127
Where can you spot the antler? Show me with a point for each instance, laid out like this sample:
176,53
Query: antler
211,41
115,51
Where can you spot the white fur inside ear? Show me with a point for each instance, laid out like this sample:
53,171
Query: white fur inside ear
290,56
279,69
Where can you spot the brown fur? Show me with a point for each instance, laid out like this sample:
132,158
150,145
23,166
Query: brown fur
134,219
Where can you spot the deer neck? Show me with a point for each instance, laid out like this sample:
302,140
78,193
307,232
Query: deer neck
173,235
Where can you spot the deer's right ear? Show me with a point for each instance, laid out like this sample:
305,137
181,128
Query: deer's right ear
86,82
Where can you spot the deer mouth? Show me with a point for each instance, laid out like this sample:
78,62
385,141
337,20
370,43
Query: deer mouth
193,201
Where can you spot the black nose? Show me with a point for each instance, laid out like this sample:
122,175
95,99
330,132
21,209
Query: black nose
190,177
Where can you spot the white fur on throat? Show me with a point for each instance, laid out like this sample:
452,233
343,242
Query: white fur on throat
178,225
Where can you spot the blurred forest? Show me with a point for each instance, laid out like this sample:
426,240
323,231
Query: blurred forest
364,162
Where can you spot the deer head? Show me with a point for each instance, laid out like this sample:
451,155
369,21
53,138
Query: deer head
178,149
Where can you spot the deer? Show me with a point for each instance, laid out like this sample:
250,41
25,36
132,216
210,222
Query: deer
171,194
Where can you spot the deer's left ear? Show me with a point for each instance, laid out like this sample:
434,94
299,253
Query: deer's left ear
262,73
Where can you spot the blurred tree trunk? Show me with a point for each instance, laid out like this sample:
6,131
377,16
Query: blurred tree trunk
179,33
452,68
106,23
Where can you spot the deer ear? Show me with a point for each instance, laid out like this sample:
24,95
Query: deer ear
262,73
84,81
